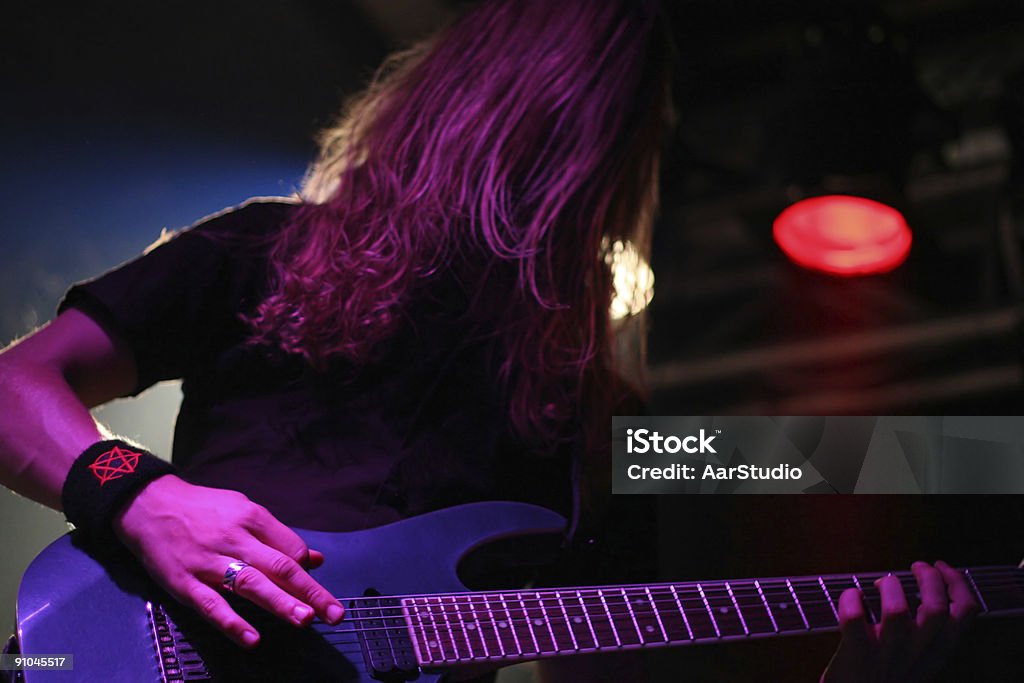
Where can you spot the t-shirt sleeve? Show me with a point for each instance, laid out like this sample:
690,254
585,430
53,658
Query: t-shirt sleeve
173,302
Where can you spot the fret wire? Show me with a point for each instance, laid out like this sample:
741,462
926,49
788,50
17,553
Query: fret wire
831,603
867,603
644,609
798,606
767,608
476,624
611,620
568,625
557,603
977,593
451,631
423,628
743,621
604,629
679,603
632,615
494,625
465,632
511,624
590,622
529,622
494,620
547,620
707,606
816,605
433,621
657,614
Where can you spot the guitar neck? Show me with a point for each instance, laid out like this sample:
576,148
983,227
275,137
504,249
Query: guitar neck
449,629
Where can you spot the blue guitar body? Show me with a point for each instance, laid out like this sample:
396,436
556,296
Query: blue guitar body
119,627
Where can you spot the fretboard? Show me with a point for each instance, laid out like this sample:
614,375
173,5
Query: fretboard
456,628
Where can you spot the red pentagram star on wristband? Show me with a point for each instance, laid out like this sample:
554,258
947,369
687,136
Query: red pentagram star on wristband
114,464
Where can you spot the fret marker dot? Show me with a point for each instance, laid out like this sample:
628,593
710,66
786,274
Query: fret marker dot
783,605
577,620
503,624
432,644
723,610
649,628
538,622
470,626
639,601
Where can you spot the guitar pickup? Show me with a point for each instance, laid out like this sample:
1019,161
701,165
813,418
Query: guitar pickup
387,649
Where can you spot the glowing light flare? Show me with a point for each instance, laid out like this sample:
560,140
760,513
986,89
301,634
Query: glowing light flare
632,278
843,235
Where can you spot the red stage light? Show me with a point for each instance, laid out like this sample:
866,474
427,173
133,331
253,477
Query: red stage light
843,235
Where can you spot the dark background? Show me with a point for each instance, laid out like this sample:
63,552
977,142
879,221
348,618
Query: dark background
122,118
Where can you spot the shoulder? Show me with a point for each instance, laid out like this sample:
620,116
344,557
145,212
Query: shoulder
255,221
255,211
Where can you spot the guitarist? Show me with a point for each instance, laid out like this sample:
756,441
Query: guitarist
428,324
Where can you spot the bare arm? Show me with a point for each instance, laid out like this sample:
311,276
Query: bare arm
48,382
184,535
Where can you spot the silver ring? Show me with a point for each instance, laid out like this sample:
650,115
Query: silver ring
231,573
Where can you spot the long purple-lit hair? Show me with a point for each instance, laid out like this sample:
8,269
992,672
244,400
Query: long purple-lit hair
511,142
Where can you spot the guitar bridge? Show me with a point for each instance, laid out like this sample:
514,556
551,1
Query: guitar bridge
178,660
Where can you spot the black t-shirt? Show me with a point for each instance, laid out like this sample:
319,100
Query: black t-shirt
422,428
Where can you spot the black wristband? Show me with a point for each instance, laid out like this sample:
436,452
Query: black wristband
102,480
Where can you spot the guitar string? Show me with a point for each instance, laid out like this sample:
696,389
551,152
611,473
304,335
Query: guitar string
603,637
602,634
800,582
601,619
738,591
572,602
518,623
602,627
524,625
645,609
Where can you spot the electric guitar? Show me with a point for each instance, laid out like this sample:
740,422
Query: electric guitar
107,614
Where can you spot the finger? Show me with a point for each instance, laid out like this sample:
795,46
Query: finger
855,647
934,608
286,573
251,584
316,559
963,606
893,628
895,618
852,623
273,533
214,608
